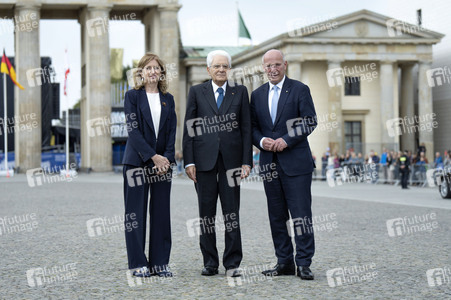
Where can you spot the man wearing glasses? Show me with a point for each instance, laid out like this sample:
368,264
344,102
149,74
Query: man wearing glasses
283,115
217,151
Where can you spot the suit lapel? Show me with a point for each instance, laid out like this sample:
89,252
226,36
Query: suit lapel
284,93
145,109
210,96
265,104
228,99
164,111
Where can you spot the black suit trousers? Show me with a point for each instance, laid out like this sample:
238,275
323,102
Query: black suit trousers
209,185
291,195
136,195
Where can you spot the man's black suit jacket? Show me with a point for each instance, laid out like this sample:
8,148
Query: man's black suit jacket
295,120
209,131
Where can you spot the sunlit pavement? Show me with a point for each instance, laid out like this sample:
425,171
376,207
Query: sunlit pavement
63,240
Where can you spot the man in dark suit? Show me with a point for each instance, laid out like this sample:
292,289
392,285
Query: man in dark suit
283,115
217,147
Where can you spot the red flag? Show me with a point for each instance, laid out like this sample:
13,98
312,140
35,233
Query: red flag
7,68
66,72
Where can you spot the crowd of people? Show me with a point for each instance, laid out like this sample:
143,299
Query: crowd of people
390,166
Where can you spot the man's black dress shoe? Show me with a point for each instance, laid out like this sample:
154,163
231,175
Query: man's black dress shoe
305,273
280,269
233,272
209,271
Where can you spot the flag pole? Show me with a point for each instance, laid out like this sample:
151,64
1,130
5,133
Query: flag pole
238,16
5,124
67,138
66,72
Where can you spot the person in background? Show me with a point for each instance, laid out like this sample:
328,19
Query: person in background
447,161
330,162
438,162
404,164
396,173
384,164
421,148
423,155
390,167
336,161
374,159
324,160
348,154
314,160
421,169
414,158
353,164
179,162
360,163
256,159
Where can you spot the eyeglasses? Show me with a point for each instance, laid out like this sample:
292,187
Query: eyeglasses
217,67
155,68
270,66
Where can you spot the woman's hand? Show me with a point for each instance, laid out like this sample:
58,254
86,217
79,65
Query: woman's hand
162,164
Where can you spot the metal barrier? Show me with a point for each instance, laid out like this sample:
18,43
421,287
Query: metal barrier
384,175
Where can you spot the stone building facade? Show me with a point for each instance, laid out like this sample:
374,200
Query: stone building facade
369,76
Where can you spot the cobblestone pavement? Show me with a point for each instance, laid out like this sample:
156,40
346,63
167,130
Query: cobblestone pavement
364,249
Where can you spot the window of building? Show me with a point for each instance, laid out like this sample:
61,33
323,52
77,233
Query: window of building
353,135
352,86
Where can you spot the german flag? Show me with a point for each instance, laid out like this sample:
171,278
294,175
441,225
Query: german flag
7,68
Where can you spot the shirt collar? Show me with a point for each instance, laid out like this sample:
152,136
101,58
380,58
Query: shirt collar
279,85
215,87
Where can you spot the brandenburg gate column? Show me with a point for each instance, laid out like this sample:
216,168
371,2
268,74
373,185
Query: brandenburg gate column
387,97
151,21
425,112
294,69
336,86
170,52
96,151
407,105
27,102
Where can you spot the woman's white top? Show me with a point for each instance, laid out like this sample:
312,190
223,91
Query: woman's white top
155,109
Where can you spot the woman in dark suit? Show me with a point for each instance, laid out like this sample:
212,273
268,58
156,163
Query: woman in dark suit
151,125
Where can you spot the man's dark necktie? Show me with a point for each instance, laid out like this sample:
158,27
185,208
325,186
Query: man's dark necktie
220,96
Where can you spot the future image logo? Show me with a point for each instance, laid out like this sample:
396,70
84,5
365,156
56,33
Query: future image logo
98,126
39,76
211,125
410,225
438,76
206,225
397,28
438,276
346,74
350,275
106,225
234,177
45,276
97,26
